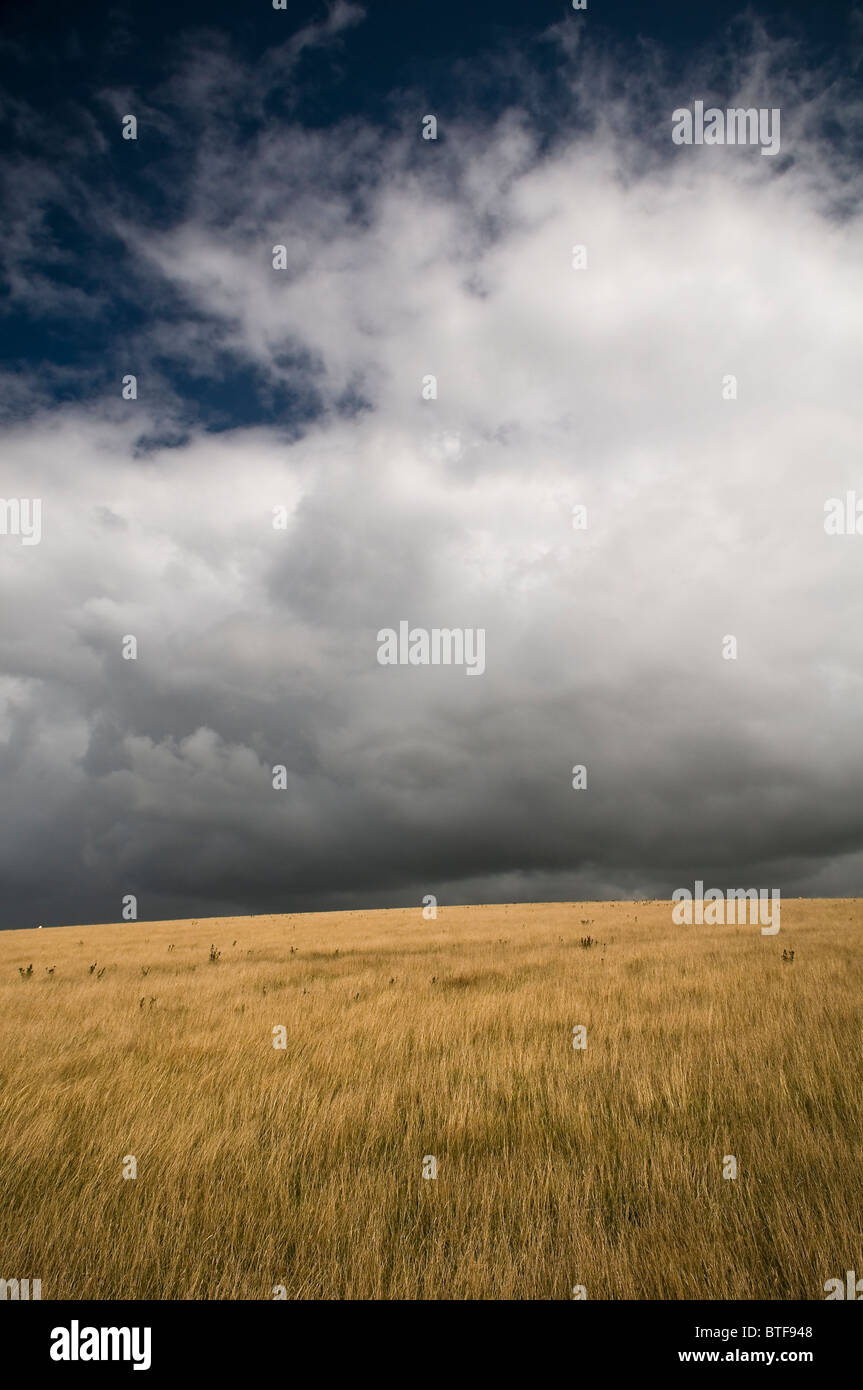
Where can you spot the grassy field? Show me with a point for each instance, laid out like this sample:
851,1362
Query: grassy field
556,1167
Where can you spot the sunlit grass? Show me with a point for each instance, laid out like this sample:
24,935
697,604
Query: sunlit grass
405,1038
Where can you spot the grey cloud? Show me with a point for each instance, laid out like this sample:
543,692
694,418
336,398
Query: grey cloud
258,646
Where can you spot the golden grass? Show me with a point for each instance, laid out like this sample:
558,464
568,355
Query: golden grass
556,1167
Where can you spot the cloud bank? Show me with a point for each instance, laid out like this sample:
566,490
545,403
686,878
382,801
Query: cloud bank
302,389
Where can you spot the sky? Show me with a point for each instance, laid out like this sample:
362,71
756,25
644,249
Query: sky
285,485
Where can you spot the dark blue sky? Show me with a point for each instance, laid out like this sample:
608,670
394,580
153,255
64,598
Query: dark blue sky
452,54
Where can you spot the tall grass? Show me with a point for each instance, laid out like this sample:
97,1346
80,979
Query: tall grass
302,1167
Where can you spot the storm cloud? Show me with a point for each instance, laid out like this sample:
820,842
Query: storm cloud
302,390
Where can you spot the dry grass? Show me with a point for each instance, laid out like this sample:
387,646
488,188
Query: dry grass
303,1167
